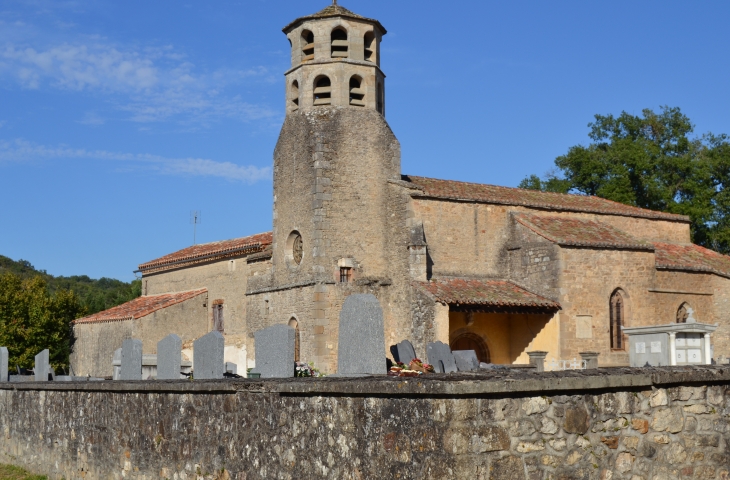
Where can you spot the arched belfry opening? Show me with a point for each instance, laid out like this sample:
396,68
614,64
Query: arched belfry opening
322,91
307,46
340,45
294,95
357,94
369,54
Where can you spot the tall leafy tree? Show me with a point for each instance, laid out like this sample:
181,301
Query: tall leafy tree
652,161
32,319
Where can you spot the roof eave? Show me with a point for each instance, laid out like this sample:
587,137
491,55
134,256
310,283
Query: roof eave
294,24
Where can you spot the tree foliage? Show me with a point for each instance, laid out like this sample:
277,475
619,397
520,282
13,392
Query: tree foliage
652,161
32,319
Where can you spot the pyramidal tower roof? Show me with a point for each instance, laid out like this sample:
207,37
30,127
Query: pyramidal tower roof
333,10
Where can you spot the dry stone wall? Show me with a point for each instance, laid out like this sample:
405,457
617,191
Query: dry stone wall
647,424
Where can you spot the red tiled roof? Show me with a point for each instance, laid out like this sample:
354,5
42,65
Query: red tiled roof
691,257
140,307
580,232
494,293
209,251
478,192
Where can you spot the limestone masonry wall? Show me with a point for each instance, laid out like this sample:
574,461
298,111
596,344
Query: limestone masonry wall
640,424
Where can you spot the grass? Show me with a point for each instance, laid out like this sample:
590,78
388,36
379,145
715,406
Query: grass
8,472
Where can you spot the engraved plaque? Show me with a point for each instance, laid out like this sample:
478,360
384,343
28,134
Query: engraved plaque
681,341
694,341
656,347
640,347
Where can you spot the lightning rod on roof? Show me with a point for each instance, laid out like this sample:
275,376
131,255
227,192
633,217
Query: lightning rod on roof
196,218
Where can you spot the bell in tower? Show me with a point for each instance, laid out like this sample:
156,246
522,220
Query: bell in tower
335,59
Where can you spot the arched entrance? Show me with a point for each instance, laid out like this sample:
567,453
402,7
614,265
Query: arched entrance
472,341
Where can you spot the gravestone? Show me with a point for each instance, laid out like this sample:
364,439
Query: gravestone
131,360
208,356
116,364
42,368
362,337
275,352
403,352
231,368
440,356
4,364
168,357
466,360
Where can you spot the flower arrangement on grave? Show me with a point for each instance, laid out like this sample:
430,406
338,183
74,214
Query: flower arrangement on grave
302,369
415,368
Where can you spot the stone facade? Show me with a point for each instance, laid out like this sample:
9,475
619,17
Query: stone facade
614,424
346,221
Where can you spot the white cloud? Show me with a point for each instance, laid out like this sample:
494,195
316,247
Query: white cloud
21,150
152,84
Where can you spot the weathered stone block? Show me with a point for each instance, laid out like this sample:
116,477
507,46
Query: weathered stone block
577,420
668,419
507,467
640,424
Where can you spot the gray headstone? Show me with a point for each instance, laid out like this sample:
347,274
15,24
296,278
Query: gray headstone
275,352
168,358
404,352
361,346
131,360
440,356
231,368
208,353
4,364
466,360
42,366
116,364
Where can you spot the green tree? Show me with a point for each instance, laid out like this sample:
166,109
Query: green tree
652,161
32,319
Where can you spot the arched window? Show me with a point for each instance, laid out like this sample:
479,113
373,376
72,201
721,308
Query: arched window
369,47
293,323
618,320
472,341
357,94
294,95
685,314
339,43
307,46
379,97
322,91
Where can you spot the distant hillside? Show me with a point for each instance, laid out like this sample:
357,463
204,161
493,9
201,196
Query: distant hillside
96,295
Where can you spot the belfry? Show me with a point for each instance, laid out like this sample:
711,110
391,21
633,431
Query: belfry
498,270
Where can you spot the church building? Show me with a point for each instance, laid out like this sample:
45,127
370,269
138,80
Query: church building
499,270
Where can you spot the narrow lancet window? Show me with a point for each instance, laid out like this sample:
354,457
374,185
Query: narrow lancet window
294,95
618,320
381,104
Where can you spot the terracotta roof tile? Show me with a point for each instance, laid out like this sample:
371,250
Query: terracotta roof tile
493,293
140,307
578,232
477,192
692,258
209,251
332,11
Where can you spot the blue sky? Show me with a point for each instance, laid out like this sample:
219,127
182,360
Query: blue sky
119,118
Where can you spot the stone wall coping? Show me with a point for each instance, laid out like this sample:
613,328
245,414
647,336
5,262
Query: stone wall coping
492,383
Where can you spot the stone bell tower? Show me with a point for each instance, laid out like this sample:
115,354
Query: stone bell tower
333,163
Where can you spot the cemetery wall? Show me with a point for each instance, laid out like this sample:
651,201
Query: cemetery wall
100,340
589,278
638,424
721,300
226,281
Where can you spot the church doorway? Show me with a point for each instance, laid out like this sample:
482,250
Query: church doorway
472,341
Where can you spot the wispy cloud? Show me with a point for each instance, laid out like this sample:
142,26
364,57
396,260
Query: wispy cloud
151,83
20,150
92,118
